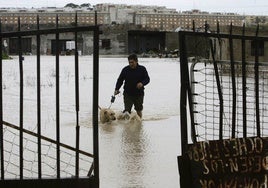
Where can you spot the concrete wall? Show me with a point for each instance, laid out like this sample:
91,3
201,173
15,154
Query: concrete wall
118,37
172,41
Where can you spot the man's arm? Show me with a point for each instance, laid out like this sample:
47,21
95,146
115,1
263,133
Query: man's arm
119,82
146,78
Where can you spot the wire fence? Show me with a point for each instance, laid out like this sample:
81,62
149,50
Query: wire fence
49,160
207,105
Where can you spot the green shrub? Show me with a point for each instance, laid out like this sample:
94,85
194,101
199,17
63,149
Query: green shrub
5,56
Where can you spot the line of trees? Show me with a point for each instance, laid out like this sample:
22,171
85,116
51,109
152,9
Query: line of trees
84,5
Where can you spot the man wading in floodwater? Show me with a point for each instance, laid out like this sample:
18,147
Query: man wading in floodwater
135,77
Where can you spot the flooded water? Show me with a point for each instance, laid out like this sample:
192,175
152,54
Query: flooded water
131,155
140,155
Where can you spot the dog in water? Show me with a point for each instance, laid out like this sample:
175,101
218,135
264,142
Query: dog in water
128,117
107,115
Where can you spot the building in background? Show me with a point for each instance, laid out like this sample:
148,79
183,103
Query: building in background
148,17
152,28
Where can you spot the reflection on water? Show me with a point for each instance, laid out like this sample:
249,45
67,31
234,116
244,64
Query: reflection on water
134,147
139,156
129,146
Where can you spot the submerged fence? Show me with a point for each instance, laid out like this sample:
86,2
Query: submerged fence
28,157
224,93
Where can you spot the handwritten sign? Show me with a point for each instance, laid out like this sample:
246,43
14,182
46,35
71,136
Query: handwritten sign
239,163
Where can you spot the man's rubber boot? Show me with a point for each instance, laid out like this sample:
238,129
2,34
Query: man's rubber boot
139,113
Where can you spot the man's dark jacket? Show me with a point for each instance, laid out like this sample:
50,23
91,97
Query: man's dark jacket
131,78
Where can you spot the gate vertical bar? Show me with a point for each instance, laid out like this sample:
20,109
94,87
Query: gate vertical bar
1,108
221,96
96,100
77,103
219,90
21,100
244,83
57,98
183,101
218,27
38,99
233,81
256,69
190,100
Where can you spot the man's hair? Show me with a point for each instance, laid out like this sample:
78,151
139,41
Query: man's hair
133,57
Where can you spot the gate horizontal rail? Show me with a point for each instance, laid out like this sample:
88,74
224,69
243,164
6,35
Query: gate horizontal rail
48,139
47,31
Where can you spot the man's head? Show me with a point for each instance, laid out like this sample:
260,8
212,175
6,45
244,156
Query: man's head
133,61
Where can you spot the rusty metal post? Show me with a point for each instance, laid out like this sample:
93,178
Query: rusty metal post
96,101
1,109
77,102
57,99
244,83
219,91
38,73
233,81
183,97
256,70
21,99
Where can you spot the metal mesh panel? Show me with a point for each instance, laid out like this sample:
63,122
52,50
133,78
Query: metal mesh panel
206,103
11,159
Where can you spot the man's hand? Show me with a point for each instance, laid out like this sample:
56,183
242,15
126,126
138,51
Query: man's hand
116,92
139,85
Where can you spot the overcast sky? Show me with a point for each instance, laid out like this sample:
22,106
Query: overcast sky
252,7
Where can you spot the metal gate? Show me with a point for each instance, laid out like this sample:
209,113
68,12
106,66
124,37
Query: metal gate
224,98
23,142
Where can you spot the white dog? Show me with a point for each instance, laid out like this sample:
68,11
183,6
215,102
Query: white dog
107,115
129,118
